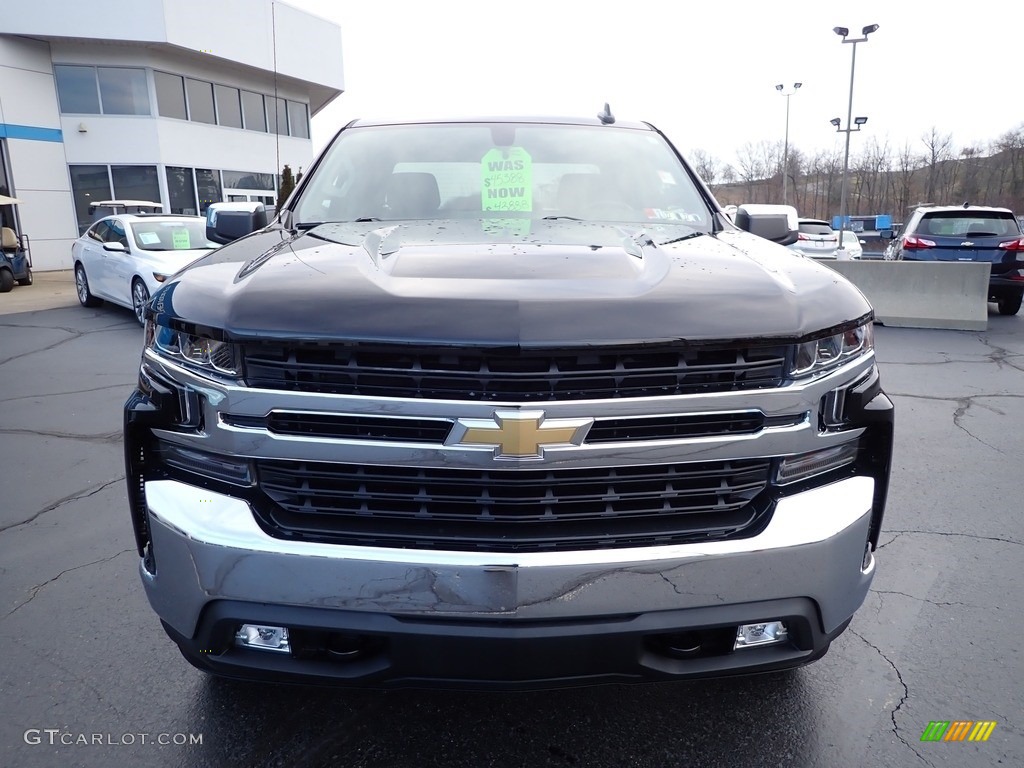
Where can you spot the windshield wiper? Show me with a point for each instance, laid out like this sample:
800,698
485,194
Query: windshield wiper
561,218
309,225
684,237
361,219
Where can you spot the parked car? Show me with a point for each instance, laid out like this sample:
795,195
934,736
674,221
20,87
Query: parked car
968,233
851,244
816,238
125,259
506,403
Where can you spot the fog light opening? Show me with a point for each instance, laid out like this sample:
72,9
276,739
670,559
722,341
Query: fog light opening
754,635
261,637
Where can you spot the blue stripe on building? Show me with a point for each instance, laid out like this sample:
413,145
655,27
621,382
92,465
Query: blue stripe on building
30,132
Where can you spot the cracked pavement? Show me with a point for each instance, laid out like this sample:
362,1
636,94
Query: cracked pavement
936,639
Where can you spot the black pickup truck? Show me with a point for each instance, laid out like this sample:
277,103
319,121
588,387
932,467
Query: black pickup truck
505,403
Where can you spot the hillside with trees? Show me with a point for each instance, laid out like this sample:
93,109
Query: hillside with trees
882,178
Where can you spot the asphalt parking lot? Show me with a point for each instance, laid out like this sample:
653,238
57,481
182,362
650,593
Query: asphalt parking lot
89,679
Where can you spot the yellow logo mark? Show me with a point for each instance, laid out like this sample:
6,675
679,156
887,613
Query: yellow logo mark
519,434
982,730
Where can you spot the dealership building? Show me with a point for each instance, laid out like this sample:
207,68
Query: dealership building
182,102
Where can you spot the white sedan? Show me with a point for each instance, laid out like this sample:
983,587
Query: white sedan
124,259
852,245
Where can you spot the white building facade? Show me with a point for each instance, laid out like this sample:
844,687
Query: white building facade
182,102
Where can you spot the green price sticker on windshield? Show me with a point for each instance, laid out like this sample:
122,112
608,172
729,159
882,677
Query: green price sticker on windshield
180,240
506,182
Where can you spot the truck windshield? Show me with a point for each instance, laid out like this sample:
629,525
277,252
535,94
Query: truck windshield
502,170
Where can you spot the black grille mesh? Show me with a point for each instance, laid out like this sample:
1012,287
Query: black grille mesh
512,374
511,509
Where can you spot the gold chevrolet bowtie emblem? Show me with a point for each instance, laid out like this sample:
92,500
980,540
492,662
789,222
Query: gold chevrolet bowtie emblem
519,434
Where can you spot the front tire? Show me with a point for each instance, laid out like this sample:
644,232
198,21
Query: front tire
1009,305
85,297
140,295
27,280
6,280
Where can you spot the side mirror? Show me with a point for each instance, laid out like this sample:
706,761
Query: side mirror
887,234
115,248
777,223
229,221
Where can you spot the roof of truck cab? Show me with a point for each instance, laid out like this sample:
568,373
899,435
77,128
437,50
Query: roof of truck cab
535,119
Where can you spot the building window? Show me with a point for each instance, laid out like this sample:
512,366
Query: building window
76,89
170,95
124,91
181,190
299,122
278,115
200,101
89,184
135,182
253,110
208,186
248,180
229,108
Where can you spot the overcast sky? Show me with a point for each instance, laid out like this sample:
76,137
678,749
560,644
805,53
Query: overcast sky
705,73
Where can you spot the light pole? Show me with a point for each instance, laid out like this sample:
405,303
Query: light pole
785,152
843,32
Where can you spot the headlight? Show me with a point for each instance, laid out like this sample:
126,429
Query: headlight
198,352
813,357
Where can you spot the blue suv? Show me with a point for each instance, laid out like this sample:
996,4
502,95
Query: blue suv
968,233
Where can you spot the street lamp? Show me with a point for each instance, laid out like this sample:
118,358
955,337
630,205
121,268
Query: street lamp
858,121
785,152
843,32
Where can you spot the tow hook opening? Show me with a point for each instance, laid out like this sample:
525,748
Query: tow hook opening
345,647
694,644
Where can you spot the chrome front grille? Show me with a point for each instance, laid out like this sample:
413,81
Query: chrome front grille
338,426
369,470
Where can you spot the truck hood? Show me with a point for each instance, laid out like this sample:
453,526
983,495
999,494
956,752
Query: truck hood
515,283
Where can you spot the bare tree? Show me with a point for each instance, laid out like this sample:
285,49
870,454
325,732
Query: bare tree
1011,155
873,166
908,164
883,179
795,169
707,166
969,188
772,160
938,149
751,168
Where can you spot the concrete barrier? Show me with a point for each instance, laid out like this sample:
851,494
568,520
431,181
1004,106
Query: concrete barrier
923,294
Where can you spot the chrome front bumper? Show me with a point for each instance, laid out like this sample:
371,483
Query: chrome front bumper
207,547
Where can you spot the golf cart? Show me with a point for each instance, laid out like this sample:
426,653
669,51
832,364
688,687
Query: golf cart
15,257
113,207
